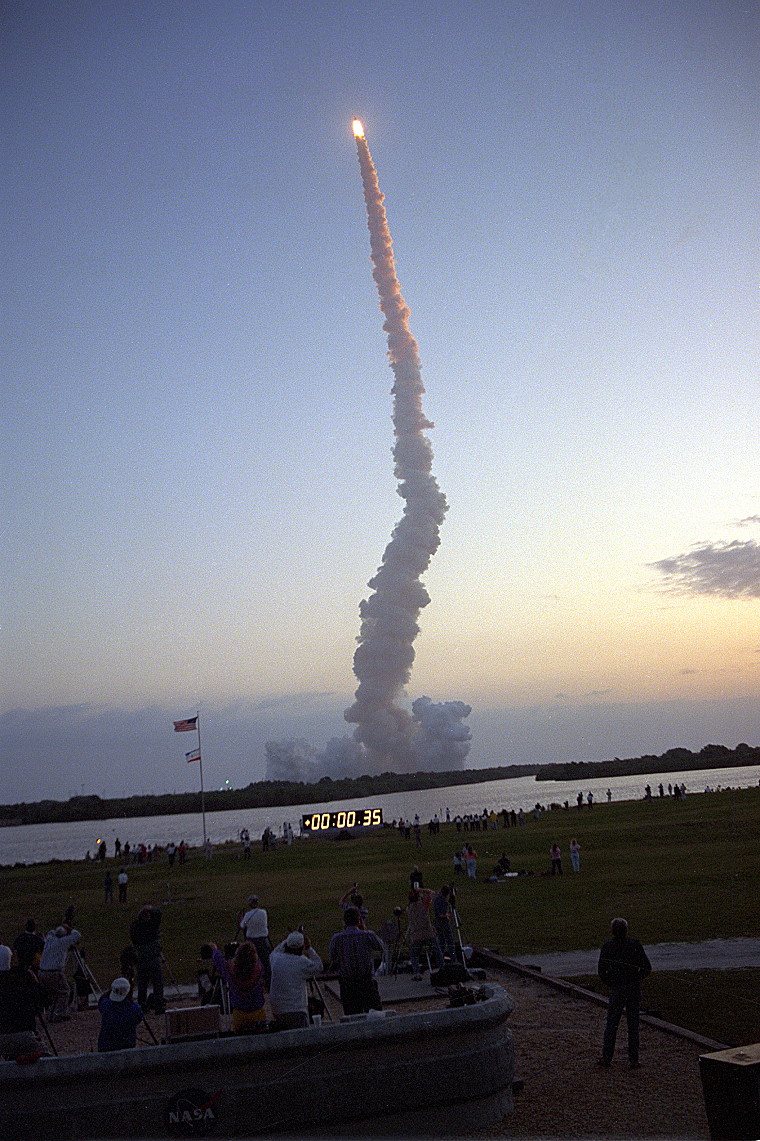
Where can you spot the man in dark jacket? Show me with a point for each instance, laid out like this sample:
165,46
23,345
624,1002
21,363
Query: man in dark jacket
21,1001
623,963
120,1017
144,933
29,945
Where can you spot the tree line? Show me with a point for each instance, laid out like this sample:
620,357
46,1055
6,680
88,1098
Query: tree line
672,761
258,794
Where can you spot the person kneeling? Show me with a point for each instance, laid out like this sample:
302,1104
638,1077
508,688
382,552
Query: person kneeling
120,1017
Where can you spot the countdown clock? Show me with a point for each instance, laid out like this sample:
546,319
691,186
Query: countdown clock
345,818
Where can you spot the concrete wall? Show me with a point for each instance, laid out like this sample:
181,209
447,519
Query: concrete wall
443,1072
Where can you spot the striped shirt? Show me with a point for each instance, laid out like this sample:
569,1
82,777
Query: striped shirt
353,950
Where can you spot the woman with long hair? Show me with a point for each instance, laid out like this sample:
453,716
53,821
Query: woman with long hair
244,976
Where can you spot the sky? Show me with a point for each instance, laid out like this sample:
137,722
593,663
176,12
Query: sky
197,477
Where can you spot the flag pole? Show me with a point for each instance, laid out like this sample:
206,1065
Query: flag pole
200,761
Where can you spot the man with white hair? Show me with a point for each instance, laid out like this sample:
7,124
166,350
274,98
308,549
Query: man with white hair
52,972
293,962
623,963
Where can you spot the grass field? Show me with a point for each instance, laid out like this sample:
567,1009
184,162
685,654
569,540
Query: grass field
677,870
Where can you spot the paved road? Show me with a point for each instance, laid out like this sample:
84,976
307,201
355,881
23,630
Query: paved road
712,954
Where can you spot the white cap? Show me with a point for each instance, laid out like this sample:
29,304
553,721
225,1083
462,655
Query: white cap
119,989
295,941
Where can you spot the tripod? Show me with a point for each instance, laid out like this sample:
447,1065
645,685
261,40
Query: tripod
150,1030
458,929
316,998
82,968
401,939
44,1027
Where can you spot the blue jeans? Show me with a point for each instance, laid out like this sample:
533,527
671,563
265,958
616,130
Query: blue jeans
445,936
622,998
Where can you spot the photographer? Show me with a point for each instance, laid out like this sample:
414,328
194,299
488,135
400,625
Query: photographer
293,962
255,926
421,935
352,952
144,932
52,972
244,976
442,913
351,898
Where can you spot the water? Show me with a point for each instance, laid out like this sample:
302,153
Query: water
37,843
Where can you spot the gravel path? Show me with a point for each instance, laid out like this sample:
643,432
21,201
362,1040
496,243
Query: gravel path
712,954
557,1041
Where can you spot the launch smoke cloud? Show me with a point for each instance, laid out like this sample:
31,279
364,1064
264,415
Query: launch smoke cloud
389,737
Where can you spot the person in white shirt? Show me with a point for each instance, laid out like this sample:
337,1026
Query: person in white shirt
293,962
52,970
255,926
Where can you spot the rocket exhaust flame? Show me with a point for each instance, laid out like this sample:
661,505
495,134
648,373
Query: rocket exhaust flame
383,660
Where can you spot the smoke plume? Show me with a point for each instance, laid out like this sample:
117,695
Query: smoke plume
383,660
387,736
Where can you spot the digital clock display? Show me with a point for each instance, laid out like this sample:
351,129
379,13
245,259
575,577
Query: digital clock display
345,818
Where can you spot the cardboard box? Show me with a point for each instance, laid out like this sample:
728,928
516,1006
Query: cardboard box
188,1022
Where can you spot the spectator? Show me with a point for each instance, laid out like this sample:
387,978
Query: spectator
122,880
144,932
29,945
293,962
255,926
420,930
470,860
442,920
52,972
575,855
623,963
108,888
352,952
555,855
5,957
120,1017
21,1000
352,898
244,976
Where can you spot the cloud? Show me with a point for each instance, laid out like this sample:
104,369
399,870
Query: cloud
62,751
723,570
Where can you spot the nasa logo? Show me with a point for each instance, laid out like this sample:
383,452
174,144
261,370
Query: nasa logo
192,1113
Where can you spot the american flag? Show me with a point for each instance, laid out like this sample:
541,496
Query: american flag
186,726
